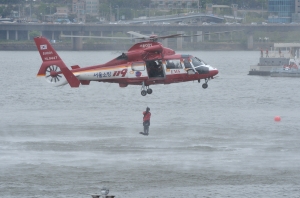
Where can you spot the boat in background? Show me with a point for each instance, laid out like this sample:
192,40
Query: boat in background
289,70
276,59
266,64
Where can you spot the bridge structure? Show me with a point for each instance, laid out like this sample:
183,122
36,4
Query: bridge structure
15,31
179,18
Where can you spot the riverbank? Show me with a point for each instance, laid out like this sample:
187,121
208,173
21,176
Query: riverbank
202,46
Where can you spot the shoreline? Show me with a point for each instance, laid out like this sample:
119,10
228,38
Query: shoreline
204,46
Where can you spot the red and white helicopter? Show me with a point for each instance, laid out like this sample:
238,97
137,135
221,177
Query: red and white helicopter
145,63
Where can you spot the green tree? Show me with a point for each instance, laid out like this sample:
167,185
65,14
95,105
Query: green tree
7,11
72,17
90,19
135,4
11,1
33,34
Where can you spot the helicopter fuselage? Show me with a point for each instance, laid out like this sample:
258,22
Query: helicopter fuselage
169,69
145,63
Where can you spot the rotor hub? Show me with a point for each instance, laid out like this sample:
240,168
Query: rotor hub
53,73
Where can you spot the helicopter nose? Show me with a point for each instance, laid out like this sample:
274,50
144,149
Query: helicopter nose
213,71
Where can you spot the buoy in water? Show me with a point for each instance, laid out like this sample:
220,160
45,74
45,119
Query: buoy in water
277,118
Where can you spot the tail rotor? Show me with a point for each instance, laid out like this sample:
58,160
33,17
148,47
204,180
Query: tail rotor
53,74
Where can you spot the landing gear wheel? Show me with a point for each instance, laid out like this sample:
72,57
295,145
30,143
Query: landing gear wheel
144,92
204,85
149,91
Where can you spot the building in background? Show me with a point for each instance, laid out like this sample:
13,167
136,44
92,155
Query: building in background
92,7
218,9
61,15
85,7
296,15
281,11
78,8
176,3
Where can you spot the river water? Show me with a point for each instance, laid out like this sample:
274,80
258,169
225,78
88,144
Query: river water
218,142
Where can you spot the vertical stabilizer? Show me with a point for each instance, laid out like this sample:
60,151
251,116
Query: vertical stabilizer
51,61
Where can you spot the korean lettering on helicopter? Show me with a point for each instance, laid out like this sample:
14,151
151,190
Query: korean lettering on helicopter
109,73
102,74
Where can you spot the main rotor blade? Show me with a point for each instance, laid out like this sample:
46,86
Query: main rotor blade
223,32
209,33
99,37
170,36
138,35
141,36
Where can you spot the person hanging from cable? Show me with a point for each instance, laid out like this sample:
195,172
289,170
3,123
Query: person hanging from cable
146,121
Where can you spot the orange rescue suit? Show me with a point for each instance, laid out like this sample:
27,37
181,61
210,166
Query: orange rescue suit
147,116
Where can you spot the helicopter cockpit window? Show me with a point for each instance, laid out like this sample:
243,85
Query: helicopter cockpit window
123,56
138,66
187,63
173,64
197,62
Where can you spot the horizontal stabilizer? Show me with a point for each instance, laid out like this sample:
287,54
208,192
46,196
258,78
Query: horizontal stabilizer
75,67
85,82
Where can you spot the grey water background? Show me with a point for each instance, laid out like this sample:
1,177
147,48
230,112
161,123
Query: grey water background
218,142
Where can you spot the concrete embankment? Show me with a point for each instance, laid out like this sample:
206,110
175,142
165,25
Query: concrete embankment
204,46
30,46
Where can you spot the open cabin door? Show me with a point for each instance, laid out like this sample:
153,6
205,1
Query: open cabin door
155,69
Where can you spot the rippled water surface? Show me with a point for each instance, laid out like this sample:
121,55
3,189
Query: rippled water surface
218,142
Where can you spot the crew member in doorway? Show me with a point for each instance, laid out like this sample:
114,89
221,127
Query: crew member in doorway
267,53
152,69
146,120
155,69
